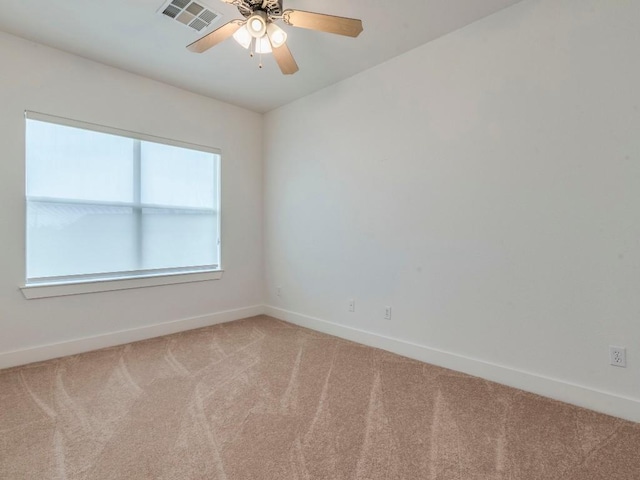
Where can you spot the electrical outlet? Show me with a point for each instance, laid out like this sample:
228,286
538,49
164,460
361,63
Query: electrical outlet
352,305
279,291
618,356
387,313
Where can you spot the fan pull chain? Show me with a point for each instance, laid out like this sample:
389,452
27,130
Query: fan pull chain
253,49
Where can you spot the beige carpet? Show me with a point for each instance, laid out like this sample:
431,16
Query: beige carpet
262,399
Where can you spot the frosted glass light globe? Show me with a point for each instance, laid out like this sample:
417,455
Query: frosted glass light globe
256,25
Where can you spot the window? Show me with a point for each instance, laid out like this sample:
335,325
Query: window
104,204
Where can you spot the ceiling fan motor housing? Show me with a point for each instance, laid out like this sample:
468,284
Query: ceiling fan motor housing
273,8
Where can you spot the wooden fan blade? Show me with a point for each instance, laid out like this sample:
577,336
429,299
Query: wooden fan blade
285,60
215,37
349,27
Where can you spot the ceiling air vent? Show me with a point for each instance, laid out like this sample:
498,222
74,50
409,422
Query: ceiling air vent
194,14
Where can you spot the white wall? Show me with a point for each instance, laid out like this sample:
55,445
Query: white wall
487,187
37,78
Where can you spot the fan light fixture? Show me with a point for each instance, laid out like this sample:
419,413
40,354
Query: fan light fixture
257,24
277,35
262,45
272,35
244,38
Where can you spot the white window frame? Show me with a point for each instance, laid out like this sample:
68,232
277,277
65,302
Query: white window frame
61,286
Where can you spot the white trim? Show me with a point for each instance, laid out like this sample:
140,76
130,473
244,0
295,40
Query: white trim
605,402
107,285
68,122
600,401
106,203
73,347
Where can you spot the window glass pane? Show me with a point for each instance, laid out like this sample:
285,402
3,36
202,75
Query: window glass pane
68,239
85,192
178,238
174,176
67,162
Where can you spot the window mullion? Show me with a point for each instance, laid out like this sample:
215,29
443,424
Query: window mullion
137,200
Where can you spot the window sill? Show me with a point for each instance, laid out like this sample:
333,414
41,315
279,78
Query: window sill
77,288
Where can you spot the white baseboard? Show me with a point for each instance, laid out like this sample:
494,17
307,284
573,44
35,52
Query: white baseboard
604,402
80,345
600,401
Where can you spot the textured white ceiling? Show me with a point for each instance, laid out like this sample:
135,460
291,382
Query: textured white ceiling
130,35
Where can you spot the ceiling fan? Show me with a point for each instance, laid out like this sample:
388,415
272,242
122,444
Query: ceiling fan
259,33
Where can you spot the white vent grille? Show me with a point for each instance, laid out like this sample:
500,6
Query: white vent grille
194,14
